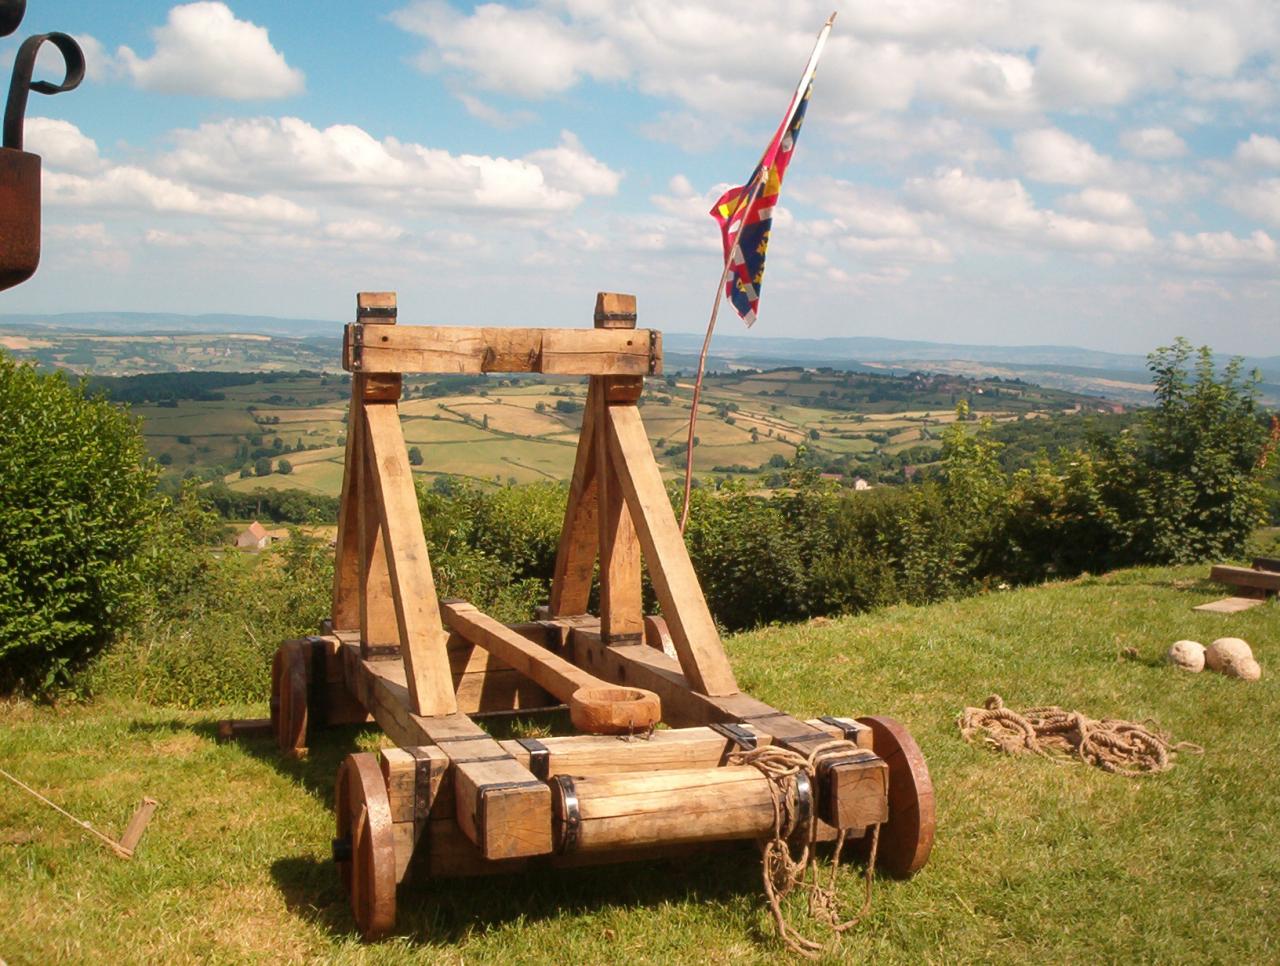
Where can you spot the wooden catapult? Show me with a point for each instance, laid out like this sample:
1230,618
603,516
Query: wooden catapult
452,800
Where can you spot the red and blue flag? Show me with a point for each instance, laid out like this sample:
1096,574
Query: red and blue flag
745,214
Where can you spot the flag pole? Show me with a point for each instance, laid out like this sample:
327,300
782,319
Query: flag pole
805,79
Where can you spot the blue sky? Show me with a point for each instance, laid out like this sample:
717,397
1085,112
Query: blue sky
1004,171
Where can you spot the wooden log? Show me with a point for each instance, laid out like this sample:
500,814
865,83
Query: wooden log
1246,577
594,705
702,656
633,810
466,349
422,637
1269,564
237,729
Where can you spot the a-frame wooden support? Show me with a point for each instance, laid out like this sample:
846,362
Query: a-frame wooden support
618,508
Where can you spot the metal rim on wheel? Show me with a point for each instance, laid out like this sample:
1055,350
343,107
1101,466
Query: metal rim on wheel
289,699
364,848
907,838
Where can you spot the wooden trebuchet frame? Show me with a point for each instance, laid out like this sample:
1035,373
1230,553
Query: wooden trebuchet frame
451,799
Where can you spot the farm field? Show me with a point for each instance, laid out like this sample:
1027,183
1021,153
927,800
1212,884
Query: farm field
497,431
1034,861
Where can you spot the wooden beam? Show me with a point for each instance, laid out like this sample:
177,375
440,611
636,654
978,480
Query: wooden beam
693,630
422,636
500,806
345,613
1246,577
579,537
621,603
466,349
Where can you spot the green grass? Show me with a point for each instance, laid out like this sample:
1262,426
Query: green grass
1034,862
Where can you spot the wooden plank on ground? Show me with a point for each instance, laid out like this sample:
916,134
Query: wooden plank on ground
1230,605
422,636
1269,564
468,349
702,656
1245,577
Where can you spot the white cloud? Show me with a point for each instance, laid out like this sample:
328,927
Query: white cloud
344,161
491,115
1005,209
204,50
1223,246
61,145
1261,150
1153,143
1258,200
1104,204
569,166
526,52
1054,156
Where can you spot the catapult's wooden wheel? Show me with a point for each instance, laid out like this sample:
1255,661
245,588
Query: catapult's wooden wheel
364,848
289,698
907,838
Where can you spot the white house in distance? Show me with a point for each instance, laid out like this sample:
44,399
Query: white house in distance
253,537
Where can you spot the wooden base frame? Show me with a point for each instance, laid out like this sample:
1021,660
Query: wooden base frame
451,799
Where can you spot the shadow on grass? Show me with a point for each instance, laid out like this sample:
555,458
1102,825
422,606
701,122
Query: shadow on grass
446,911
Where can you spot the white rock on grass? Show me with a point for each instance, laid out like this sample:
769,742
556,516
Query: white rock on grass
1226,651
1188,655
1246,670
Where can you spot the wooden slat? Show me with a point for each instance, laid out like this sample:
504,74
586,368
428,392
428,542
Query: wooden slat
1269,564
466,349
422,636
1245,577
693,631
621,606
346,571
579,538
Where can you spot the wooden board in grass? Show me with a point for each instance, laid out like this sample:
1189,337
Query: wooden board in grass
1246,577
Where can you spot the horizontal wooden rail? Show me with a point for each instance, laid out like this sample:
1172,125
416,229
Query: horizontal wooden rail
1245,577
465,349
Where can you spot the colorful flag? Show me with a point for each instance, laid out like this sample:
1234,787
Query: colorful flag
745,214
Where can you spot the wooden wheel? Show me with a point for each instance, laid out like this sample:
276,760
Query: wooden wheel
289,699
364,848
907,838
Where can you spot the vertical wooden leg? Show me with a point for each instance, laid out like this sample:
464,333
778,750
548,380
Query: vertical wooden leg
579,537
378,627
621,610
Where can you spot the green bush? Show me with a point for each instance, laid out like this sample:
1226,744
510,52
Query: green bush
77,508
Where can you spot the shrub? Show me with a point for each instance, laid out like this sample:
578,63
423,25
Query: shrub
77,504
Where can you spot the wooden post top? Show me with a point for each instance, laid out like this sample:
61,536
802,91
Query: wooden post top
375,306
614,310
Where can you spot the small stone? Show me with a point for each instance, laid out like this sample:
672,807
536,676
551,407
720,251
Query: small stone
1246,670
1188,655
1226,651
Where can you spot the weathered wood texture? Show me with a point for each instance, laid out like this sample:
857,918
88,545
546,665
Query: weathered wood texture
421,634
1269,564
636,810
500,806
579,536
1246,577
697,642
464,349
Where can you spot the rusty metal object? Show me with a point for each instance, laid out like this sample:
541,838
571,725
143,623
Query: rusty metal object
20,170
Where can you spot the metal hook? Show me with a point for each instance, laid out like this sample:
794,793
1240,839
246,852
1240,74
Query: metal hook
23,66
11,12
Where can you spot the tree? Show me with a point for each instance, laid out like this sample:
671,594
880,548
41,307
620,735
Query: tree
284,467
262,466
77,505
415,456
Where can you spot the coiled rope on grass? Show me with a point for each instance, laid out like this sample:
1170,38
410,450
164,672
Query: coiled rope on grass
1130,748
782,870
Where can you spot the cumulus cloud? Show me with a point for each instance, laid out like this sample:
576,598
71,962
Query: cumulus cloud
1153,143
345,161
1257,200
1223,246
1104,204
203,49
1004,209
1054,156
1261,150
61,145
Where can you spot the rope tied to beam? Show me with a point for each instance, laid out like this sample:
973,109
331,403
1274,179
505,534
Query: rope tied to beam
782,870
1129,748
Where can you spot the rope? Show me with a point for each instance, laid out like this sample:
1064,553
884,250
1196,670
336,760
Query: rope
116,847
782,871
1128,748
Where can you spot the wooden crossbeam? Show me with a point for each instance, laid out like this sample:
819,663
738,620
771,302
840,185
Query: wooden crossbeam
466,349
1246,577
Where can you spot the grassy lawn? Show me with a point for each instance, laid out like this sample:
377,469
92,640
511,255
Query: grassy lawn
1034,861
